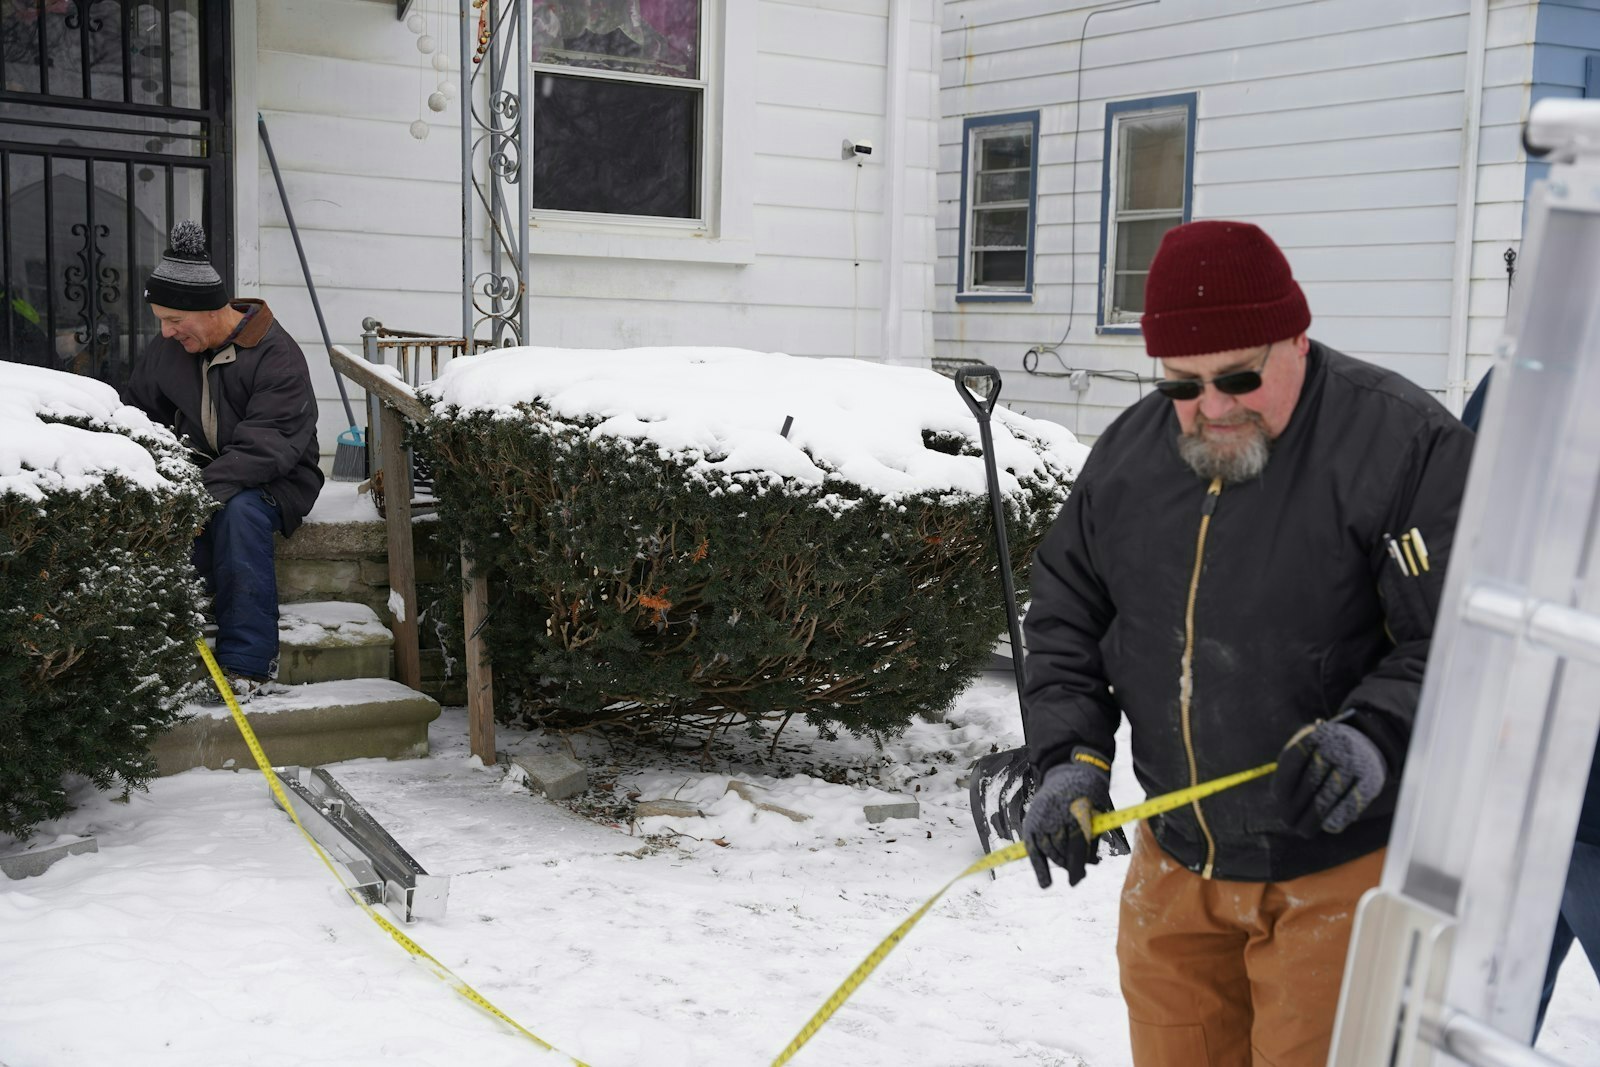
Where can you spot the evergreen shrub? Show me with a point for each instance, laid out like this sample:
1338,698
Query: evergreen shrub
631,583
98,618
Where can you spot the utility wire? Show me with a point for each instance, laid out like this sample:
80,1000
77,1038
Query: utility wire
1030,359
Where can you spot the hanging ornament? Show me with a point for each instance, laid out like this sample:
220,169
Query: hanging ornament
483,30
419,130
448,88
416,23
441,62
437,101
425,43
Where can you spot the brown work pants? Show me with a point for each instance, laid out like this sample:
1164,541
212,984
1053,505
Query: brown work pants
1234,974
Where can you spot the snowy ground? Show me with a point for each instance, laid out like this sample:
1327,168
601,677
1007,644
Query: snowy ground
205,932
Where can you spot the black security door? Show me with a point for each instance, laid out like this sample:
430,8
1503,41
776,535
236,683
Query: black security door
113,125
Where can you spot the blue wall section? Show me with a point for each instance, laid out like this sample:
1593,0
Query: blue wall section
1565,40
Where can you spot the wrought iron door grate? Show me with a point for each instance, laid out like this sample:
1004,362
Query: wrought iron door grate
113,126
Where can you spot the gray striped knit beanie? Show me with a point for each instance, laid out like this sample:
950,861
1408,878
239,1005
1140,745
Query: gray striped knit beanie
185,280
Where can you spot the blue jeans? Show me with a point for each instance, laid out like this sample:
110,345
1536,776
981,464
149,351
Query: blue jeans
234,555
1579,919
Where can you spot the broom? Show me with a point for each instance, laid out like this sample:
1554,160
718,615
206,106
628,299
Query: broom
350,458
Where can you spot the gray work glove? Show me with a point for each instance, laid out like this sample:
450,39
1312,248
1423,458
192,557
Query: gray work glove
1327,775
1057,827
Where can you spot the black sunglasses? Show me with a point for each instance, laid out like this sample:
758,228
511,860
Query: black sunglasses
1234,383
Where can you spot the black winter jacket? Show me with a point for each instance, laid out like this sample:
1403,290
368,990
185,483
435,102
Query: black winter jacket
1300,613
264,414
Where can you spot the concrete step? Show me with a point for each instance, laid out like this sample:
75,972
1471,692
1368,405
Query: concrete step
307,725
329,640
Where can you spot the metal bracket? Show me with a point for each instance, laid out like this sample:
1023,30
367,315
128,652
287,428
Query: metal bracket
378,869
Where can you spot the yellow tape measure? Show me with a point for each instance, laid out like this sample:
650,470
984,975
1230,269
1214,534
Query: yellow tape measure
999,858
444,973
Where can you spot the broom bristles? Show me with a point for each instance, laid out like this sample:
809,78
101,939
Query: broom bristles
350,458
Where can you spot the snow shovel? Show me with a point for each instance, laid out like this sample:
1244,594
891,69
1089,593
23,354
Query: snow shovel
1001,782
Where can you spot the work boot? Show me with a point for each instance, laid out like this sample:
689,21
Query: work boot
245,688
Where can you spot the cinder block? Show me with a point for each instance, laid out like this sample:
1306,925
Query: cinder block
37,861
902,808
555,774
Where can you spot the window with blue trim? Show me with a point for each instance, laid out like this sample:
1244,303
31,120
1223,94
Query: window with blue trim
1147,188
999,182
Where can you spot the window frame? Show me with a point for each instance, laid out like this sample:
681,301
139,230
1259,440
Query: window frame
971,128
704,180
1116,111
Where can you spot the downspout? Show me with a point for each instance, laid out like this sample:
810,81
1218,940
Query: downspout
1466,207
896,74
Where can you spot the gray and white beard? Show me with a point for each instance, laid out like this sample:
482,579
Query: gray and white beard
1212,459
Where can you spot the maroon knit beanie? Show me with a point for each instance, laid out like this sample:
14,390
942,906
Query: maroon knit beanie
1216,286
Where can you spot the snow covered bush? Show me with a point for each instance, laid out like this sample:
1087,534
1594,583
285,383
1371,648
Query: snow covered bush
98,603
725,536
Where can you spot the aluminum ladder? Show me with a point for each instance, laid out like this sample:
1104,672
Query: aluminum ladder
1448,954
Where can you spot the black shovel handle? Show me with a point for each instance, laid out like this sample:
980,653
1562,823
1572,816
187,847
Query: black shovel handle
981,411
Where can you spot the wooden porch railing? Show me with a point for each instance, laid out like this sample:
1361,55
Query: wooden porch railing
397,402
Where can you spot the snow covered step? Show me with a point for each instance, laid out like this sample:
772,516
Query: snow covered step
307,725
330,640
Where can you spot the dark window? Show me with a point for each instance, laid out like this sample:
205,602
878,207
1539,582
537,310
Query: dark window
619,148
618,110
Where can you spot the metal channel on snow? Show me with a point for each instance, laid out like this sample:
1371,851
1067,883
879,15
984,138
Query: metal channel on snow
378,868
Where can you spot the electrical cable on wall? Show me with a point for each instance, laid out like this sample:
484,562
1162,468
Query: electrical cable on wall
1072,197
1079,377
855,258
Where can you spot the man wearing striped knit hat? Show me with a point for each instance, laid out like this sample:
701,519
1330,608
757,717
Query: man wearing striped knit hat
230,381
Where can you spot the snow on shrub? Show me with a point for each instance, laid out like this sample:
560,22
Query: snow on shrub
98,510
660,550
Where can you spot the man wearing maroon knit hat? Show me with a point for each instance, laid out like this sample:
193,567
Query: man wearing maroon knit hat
1247,568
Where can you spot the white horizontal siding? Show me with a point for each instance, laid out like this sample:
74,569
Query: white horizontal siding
1336,126
340,82
1204,27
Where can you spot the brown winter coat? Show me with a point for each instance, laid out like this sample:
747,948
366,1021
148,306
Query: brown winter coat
247,411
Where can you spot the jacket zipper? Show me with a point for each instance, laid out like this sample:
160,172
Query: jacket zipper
1186,681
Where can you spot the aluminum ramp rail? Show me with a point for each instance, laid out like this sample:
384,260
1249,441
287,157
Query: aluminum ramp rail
378,869
1448,955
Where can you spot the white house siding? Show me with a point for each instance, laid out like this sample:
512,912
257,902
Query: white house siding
796,265
1337,125
1565,36
1502,175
